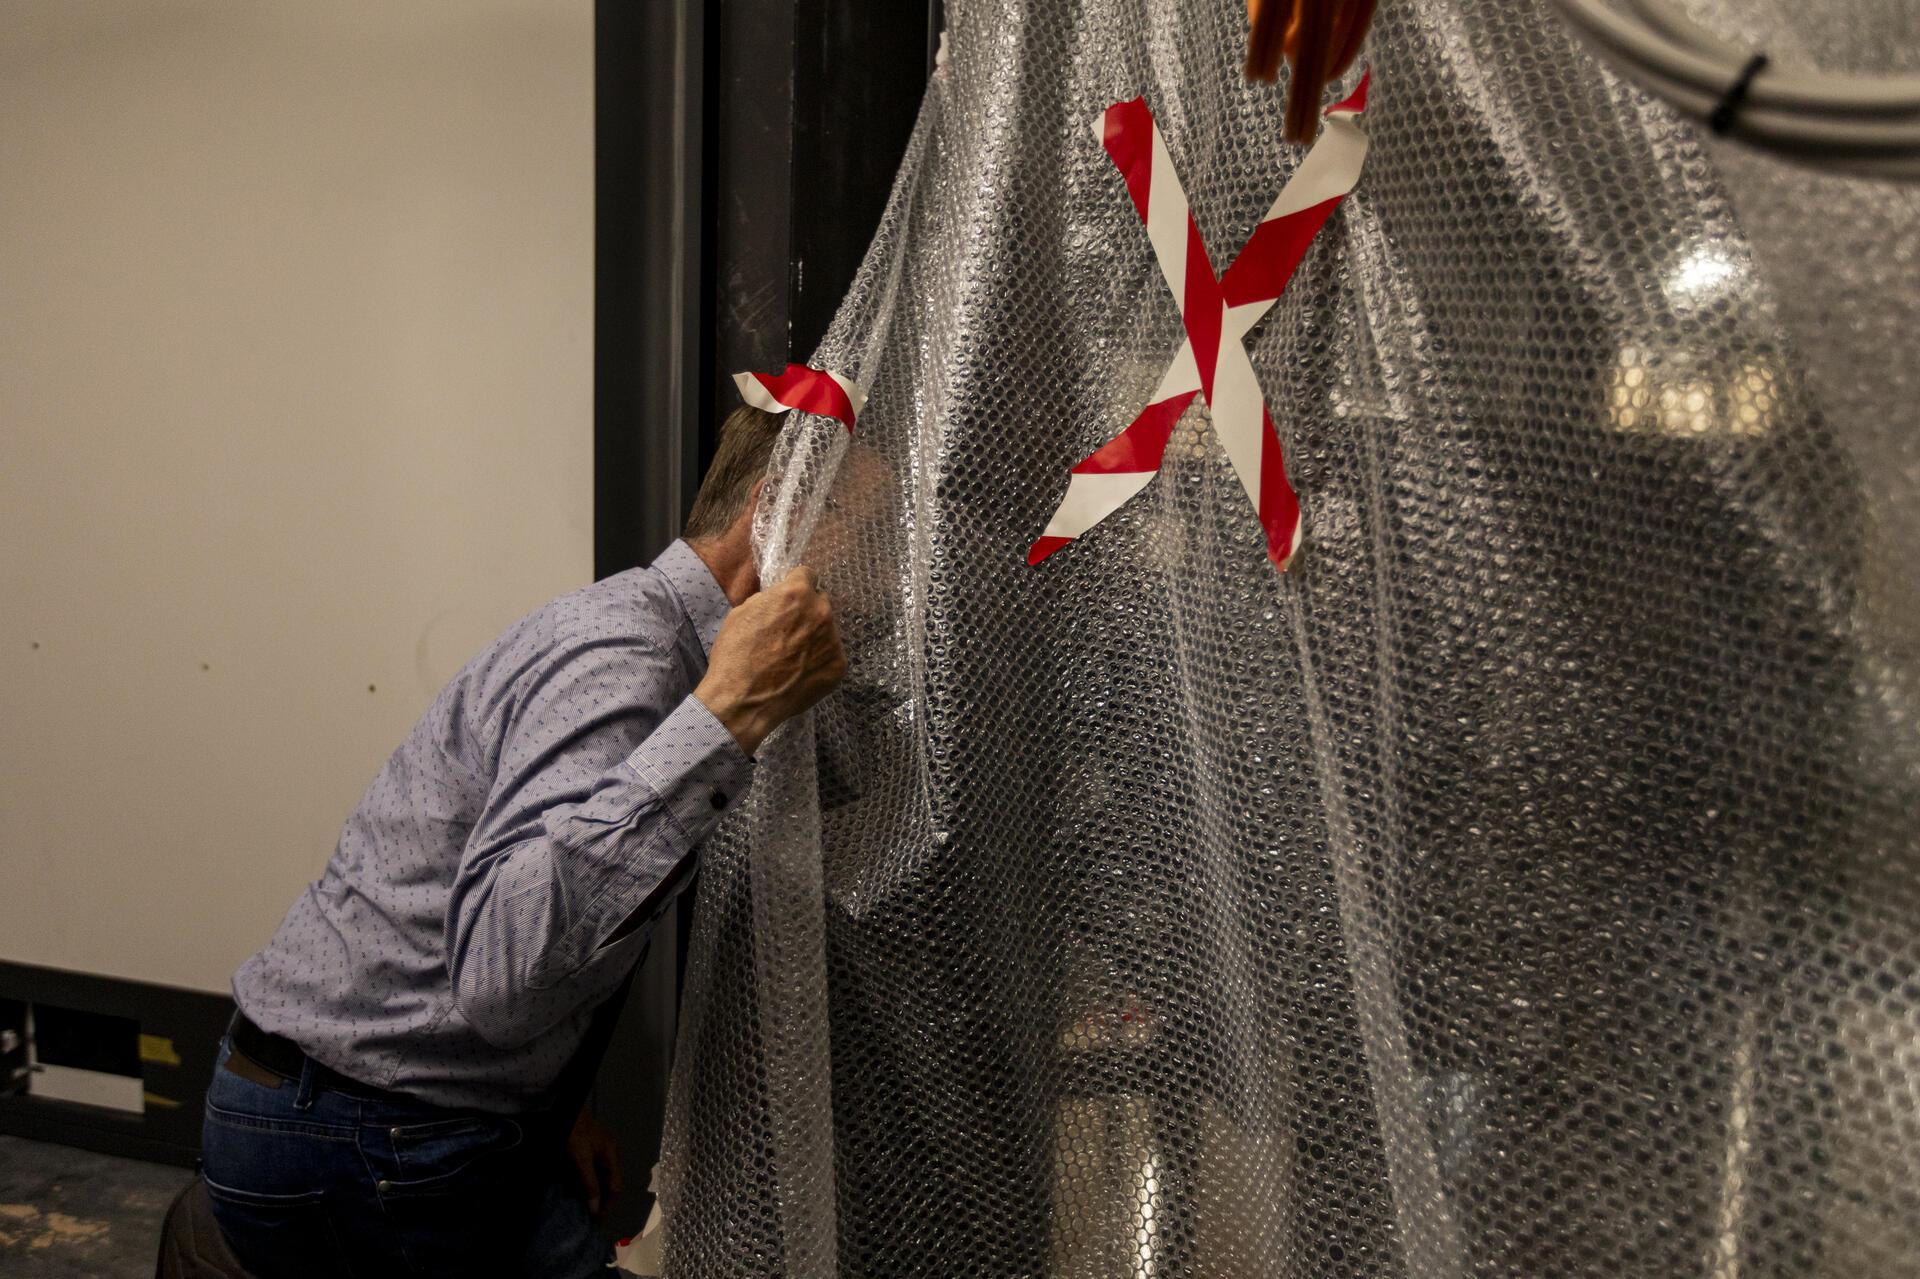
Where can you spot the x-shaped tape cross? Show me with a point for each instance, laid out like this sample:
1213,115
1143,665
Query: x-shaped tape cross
1217,313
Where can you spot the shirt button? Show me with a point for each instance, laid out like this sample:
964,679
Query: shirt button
719,800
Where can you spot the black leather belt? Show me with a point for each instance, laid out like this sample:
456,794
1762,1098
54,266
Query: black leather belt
281,1056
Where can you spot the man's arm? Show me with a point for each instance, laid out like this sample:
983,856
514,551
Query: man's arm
603,789
781,655
587,836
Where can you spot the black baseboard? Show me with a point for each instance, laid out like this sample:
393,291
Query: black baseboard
180,1032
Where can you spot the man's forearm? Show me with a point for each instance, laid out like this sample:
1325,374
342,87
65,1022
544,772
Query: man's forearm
537,926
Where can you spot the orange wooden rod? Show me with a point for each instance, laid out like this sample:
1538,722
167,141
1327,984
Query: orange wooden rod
1271,24
1357,17
1321,38
1311,55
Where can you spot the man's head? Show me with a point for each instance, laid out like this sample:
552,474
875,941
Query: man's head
720,526
727,492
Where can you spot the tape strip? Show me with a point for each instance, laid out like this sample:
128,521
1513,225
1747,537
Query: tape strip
1217,313
818,391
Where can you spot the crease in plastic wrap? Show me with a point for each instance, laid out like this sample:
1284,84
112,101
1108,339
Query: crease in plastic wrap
1524,883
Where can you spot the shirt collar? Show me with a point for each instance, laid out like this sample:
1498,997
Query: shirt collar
700,595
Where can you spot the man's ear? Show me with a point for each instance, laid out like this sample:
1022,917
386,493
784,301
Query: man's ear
743,523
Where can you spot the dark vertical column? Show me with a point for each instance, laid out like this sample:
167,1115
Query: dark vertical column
866,67
651,394
815,101
752,131
650,313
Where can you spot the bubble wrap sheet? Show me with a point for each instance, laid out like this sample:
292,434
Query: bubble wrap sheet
1524,884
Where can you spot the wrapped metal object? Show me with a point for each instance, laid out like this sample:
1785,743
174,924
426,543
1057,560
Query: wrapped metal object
1524,883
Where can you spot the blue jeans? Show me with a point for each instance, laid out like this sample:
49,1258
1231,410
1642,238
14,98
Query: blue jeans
306,1181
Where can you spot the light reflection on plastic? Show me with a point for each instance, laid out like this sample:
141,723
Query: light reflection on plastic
1650,396
1701,273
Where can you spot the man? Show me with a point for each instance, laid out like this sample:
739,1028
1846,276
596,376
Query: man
402,1088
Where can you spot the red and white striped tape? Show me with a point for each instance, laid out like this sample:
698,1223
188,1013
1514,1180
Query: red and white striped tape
818,391
1217,313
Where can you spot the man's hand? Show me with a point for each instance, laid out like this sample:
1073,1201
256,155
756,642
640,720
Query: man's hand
776,655
596,1158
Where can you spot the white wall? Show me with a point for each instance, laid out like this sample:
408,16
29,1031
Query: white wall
295,414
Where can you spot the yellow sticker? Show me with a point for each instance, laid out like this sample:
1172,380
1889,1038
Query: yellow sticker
159,1050
156,1100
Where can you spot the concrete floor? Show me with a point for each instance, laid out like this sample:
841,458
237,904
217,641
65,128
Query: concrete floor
66,1213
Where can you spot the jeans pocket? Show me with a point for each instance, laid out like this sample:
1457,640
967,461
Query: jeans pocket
459,1196
429,1156
289,1235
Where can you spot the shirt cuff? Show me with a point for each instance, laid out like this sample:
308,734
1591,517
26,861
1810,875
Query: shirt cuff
695,766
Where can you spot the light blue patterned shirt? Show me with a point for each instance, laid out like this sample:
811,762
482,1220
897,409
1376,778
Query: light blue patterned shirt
459,941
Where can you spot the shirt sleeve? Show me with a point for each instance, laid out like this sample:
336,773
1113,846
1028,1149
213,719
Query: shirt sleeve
607,781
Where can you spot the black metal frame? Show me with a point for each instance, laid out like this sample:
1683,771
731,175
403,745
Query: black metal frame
188,1023
814,103
650,287
744,152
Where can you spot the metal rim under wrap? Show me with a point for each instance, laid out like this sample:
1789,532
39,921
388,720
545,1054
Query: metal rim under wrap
1524,883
